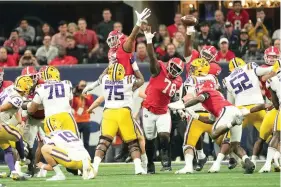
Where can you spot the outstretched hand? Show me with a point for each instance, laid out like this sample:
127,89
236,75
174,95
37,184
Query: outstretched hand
148,35
142,16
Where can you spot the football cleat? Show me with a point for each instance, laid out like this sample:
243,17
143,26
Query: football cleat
140,171
201,163
151,168
42,173
57,177
88,170
215,168
277,169
184,170
17,177
3,175
232,163
128,159
249,166
265,169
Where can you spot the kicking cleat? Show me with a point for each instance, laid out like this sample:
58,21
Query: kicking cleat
57,177
184,170
151,168
232,163
249,166
201,163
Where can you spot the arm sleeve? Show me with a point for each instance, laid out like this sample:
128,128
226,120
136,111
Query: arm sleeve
260,71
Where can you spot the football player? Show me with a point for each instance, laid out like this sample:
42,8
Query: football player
273,84
165,80
271,54
228,117
118,92
11,100
65,148
243,91
3,84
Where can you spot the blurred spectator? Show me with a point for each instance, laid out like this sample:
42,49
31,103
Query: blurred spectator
266,43
231,36
224,54
47,50
28,59
160,35
106,26
46,30
140,56
194,12
172,29
72,49
140,38
178,41
277,44
238,16
86,37
253,54
15,42
5,59
26,31
161,49
63,59
171,53
118,26
217,28
72,28
182,29
59,39
80,105
244,43
257,32
260,15
276,34
204,36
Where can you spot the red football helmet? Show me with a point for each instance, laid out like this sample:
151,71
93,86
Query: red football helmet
206,85
175,67
1,75
113,39
30,71
271,54
208,52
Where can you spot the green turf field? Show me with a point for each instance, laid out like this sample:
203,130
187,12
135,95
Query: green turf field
122,176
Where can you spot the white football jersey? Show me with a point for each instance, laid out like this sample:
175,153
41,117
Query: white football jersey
118,94
54,96
190,84
69,142
244,86
274,84
10,95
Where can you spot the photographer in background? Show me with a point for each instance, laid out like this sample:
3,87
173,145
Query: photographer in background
80,105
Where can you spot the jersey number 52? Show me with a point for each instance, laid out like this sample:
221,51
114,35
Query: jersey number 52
241,83
56,90
171,86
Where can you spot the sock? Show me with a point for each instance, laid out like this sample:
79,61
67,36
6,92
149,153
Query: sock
188,158
144,159
9,159
219,159
57,170
20,148
97,161
244,158
137,162
254,157
31,158
270,154
276,159
150,150
200,154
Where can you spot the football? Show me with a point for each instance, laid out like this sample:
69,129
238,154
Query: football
189,20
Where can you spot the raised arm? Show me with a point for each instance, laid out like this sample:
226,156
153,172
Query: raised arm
129,43
154,64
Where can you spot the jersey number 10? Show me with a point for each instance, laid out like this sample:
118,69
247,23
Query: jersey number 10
59,90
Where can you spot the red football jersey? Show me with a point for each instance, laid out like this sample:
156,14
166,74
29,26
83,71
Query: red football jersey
263,84
159,91
194,54
215,102
122,57
238,21
39,114
5,84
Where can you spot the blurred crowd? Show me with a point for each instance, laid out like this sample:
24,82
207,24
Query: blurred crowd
233,34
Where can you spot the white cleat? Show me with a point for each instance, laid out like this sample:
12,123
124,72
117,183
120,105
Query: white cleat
265,169
88,171
144,166
184,170
215,168
57,177
42,173
140,171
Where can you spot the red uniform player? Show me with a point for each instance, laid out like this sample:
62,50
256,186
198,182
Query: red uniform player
3,84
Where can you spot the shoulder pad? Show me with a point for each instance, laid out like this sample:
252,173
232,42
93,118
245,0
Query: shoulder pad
251,65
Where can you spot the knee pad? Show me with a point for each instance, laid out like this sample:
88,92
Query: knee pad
133,146
104,143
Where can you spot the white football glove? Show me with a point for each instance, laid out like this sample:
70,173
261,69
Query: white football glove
90,87
142,16
178,105
190,30
149,36
245,111
191,113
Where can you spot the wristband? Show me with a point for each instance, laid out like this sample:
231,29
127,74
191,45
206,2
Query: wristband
149,41
190,30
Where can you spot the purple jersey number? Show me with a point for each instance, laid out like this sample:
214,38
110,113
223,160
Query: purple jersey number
241,83
68,136
118,92
59,90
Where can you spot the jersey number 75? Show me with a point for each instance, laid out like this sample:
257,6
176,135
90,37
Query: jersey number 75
116,90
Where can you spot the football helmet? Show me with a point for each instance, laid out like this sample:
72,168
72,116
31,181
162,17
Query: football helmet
175,67
208,52
271,54
1,75
113,38
32,72
116,72
205,86
23,84
235,63
51,73
199,67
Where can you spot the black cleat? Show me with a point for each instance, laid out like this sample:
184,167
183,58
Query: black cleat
166,168
201,163
232,163
249,166
150,168
128,159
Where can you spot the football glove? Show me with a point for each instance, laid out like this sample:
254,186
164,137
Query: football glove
178,105
142,16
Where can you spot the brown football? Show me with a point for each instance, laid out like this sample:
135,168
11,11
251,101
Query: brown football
189,20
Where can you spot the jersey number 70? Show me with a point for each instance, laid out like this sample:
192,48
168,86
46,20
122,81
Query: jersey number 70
57,88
